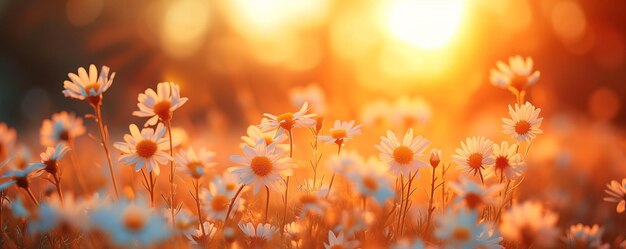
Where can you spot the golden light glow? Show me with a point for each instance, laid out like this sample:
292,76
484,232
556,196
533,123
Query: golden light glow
184,27
427,24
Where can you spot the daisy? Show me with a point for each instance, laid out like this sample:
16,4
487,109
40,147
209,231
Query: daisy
254,135
508,162
287,121
531,224
351,221
218,197
21,177
410,111
293,229
261,165
184,223
146,148
403,158
159,105
474,155
517,75
63,127
207,227
524,123
459,229
375,112
258,238
346,162
128,223
341,132
88,86
580,236
50,158
194,164
617,194
313,203
371,181
339,241
7,141
474,195
310,94
56,212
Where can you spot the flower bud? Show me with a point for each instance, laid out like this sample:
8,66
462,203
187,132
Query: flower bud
435,157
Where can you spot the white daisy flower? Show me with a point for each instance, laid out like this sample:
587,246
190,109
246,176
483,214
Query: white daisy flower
128,223
617,194
352,221
459,229
209,229
7,141
371,181
531,224
63,127
88,86
339,241
21,177
410,111
260,166
258,237
312,94
475,155
524,123
159,105
403,158
346,162
474,195
375,112
313,203
195,165
218,197
293,229
508,162
50,158
341,132
254,135
288,120
54,212
146,148
184,222
581,236
517,75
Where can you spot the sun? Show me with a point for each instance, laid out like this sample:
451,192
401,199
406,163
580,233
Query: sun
427,24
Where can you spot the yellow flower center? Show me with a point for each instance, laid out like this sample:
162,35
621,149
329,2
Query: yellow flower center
403,155
522,127
308,199
162,109
219,202
370,183
286,120
475,161
133,219
268,140
338,134
461,234
261,165
94,86
230,186
519,82
473,200
146,148
502,162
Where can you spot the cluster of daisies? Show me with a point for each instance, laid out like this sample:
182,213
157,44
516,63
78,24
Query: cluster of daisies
351,201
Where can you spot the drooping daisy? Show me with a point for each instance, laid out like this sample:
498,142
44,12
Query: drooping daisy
128,223
218,197
517,75
617,194
410,111
254,135
524,122
508,162
159,105
403,157
195,165
341,132
88,86
146,148
371,181
339,241
460,229
63,127
531,224
288,120
312,94
475,155
258,238
581,236
209,229
7,141
474,195
50,158
261,165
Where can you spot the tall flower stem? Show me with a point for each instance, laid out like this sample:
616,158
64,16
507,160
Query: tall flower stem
407,198
105,143
430,202
332,178
149,185
401,204
172,169
57,184
267,203
197,198
31,195
232,203
290,133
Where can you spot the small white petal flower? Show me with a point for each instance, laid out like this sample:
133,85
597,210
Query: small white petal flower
372,181
254,135
258,237
217,198
524,122
312,94
508,162
159,105
195,164
403,157
63,127
460,229
261,165
88,86
288,120
517,75
475,155
531,224
341,132
580,236
147,148
339,241
474,195
617,194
